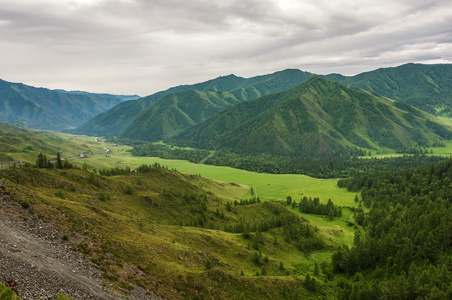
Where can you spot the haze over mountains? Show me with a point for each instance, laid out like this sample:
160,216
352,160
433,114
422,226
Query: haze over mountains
42,108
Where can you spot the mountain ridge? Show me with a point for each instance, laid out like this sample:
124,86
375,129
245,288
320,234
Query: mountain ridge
315,117
121,120
42,108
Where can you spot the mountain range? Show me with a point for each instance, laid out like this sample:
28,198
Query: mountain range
315,117
329,118
166,114
41,108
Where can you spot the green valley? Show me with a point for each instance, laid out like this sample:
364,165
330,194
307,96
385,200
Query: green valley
283,186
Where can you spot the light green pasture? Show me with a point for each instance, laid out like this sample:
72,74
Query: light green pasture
268,186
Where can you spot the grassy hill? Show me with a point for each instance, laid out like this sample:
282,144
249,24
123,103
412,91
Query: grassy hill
162,231
427,87
23,144
315,117
42,108
183,106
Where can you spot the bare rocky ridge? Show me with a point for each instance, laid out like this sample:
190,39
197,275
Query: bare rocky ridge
35,256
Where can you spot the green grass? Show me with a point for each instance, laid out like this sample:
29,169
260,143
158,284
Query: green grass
336,230
269,186
138,241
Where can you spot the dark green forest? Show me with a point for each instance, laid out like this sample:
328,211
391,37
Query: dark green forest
407,252
319,166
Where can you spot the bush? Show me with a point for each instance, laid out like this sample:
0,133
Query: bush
104,196
25,205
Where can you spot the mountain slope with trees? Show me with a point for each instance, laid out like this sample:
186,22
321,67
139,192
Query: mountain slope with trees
315,117
222,92
42,108
175,113
427,87
407,250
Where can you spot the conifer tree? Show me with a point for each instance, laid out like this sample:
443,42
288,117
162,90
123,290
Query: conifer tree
59,164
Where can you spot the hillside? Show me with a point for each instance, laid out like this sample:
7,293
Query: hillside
315,117
42,108
427,87
159,230
24,144
176,112
406,253
207,98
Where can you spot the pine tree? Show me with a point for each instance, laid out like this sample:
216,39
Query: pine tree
316,269
59,164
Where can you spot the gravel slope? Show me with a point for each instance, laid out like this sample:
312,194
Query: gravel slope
42,264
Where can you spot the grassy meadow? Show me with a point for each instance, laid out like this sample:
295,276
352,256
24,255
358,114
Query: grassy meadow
268,186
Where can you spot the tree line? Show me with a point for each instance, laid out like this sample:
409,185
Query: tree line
407,250
319,166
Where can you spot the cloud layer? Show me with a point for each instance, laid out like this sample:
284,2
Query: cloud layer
140,46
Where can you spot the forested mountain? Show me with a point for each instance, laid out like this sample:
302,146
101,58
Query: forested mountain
42,108
406,251
176,112
315,117
137,118
427,87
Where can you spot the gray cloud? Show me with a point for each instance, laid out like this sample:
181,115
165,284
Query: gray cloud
139,46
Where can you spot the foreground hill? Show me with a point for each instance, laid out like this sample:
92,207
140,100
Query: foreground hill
315,117
427,87
159,230
42,108
166,113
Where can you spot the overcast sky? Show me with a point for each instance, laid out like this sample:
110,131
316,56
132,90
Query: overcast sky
144,46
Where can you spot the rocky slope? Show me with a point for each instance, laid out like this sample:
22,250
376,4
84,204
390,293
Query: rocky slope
36,256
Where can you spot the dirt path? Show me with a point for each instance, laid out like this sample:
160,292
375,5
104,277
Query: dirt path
202,161
42,264
317,253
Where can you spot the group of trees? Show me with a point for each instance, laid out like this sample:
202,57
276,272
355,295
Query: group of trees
413,150
408,235
319,166
313,206
164,151
43,162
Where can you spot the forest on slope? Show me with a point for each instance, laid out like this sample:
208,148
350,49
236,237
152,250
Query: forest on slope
315,117
406,252
184,106
426,87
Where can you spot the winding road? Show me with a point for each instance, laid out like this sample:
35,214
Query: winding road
317,253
